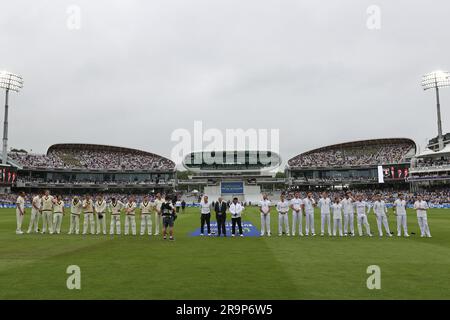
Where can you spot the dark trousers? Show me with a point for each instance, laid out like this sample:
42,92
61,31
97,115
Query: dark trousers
221,218
233,225
205,218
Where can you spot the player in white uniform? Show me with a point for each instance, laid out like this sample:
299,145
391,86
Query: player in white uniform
264,209
20,211
349,214
76,208
380,210
130,216
146,216
88,210
336,207
361,207
58,213
47,212
421,208
283,217
100,214
158,203
308,206
35,213
115,208
324,205
400,212
297,214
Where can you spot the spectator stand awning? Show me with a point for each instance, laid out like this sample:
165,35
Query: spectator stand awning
428,153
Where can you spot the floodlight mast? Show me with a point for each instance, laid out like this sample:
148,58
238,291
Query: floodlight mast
436,80
10,82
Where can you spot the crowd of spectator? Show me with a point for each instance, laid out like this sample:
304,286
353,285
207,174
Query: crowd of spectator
432,162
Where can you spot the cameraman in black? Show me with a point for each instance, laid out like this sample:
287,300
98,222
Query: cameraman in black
168,215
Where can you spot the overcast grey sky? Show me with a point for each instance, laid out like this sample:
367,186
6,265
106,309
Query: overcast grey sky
137,70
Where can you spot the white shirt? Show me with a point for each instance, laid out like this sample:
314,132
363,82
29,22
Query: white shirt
283,206
76,208
205,207
100,207
236,210
20,203
37,203
88,206
146,207
264,205
324,205
361,207
400,206
379,208
47,203
115,208
296,203
309,208
337,210
130,208
347,205
58,207
423,205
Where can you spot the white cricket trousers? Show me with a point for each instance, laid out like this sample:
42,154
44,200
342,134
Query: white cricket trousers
57,221
362,220
383,221
157,222
88,220
337,224
423,225
349,223
283,219
115,224
265,224
19,220
101,223
34,221
146,223
402,222
297,219
47,221
309,219
74,224
130,220
325,219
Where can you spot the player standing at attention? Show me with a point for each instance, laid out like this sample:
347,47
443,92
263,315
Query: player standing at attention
114,208
283,217
88,209
236,212
35,213
297,213
47,211
264,209
130,219
20,211
421,208
349,214
380,210
100,214
205,216
361,215
75,211
158,202
336,207
168,215
58,213
221,216
146,216
324,205
400,212
308,205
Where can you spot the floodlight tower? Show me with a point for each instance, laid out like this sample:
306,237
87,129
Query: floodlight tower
435,80
10,82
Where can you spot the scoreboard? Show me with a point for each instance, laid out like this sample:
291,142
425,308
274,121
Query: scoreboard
8,175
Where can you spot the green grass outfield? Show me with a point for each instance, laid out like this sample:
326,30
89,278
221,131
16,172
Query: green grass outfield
140,267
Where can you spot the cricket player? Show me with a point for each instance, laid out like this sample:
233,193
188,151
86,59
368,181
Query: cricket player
336,207
158,203
146,216
58,213
76,208
297,213
361,215
324,205
35,213
264,210
100,214
400,212
47,211
130,219
283,217
421,207
308,206
349,214
380,210
88,210
20,211
236,217
115,208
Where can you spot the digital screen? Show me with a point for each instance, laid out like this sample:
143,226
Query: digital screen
8,175
395,172
232,187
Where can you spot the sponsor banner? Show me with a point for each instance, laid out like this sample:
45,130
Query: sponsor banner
248,229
